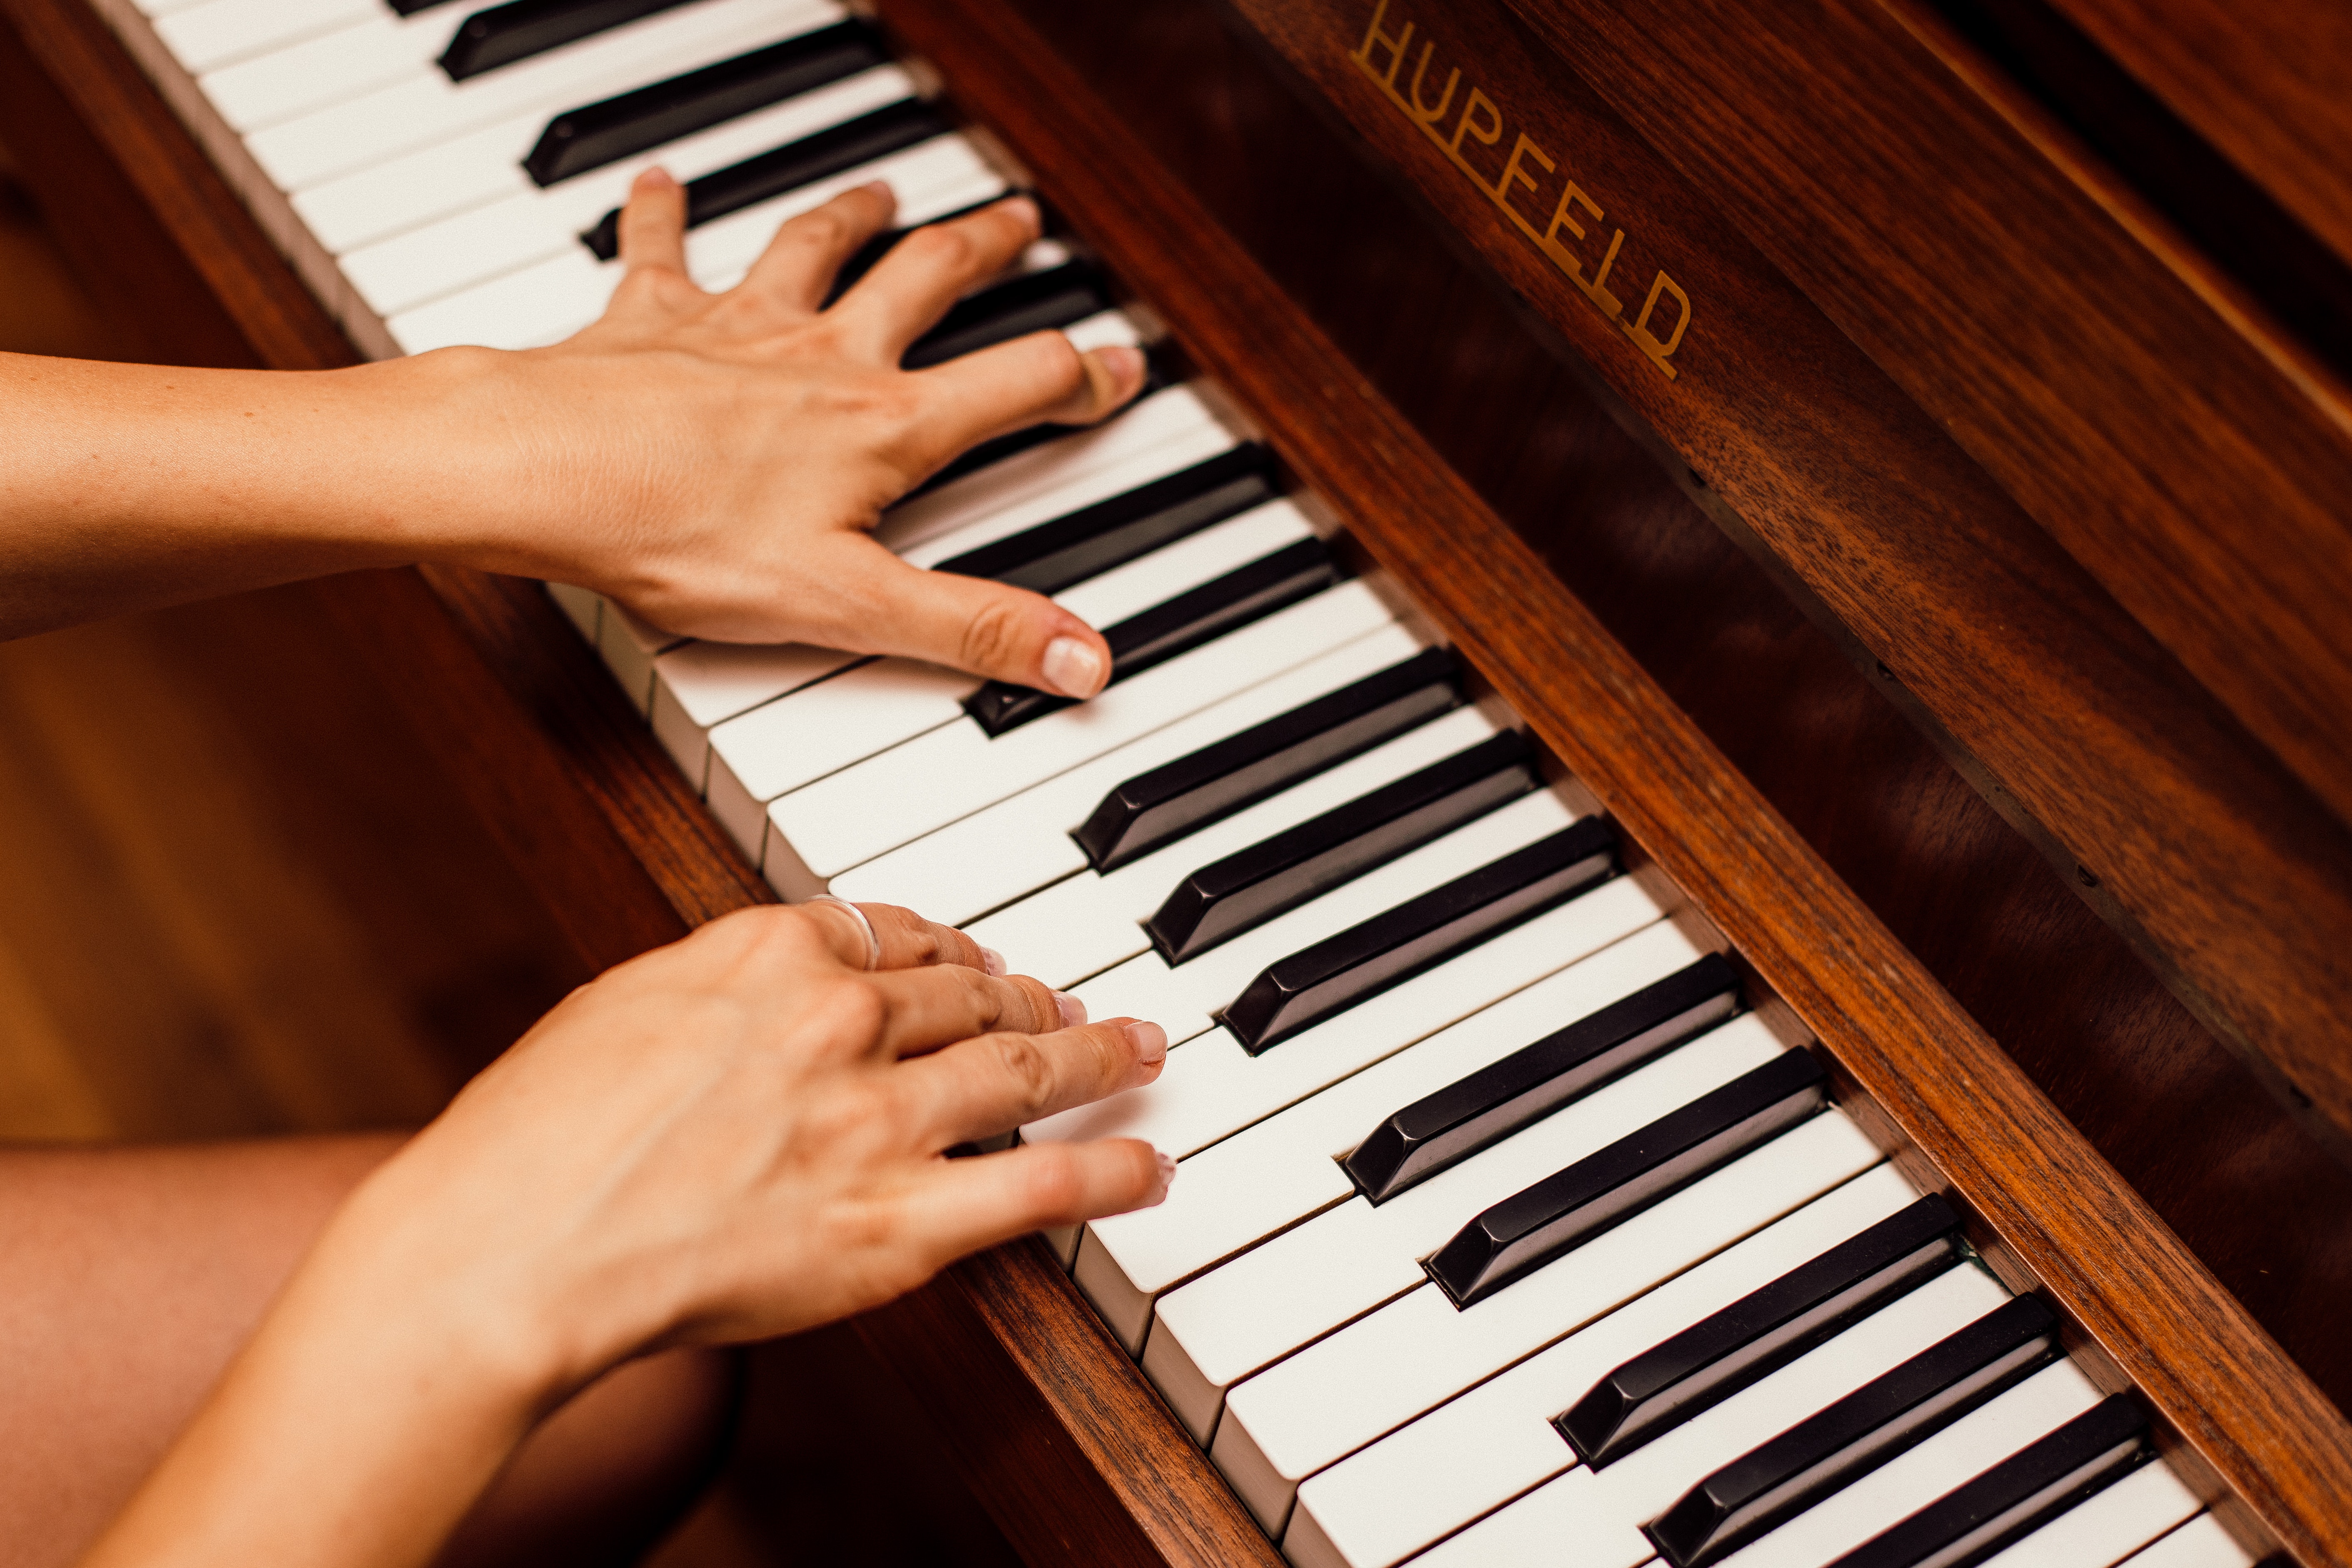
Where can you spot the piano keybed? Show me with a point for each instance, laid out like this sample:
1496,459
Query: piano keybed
1504,1221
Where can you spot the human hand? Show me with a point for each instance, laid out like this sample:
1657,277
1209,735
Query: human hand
718,460
740,1135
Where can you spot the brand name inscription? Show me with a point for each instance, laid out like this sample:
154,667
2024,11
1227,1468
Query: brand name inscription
1528,169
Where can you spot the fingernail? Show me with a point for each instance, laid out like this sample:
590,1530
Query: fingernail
1124,362
1026,211
657,179
881,188
1149,1041
1167,1171
993,962
1073,1011
1072,667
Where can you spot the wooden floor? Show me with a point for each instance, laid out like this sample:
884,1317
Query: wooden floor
236,899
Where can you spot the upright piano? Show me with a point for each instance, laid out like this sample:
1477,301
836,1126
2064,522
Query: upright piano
1732,742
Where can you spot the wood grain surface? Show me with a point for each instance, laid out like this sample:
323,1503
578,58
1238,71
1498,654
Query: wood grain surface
2270,86
2094,739
2142,1298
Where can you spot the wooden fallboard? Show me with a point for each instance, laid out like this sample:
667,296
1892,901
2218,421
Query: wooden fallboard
1969,431
1061,1436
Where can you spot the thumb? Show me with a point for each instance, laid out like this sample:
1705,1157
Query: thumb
991,629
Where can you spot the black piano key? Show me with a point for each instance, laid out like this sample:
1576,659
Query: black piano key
1249,887
595,134
1067,550
2088,1453
1531,1227
1760,1333
505,34
1390,948
1442,1129
1178,625
1032,302
788,167
1180,797
1869,1426
410,7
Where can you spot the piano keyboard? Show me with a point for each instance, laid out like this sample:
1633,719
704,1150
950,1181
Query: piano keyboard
1503,1228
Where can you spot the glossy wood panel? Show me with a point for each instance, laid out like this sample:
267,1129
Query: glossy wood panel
2143,1298
2095,738
2031,310
2270,86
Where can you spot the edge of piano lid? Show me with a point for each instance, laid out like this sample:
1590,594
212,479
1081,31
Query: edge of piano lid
1069,1447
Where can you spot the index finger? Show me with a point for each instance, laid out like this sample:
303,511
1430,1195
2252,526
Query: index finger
889,937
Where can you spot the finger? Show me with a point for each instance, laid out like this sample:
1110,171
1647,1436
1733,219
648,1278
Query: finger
796,270
907,939
994,1083
924,1009
910,289
653,225
1003,633
967,1205
1039,379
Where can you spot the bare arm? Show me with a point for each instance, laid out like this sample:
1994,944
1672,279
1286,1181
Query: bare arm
727,1139
712,461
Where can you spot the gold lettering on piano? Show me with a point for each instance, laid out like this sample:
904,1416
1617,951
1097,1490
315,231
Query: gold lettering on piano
1529,168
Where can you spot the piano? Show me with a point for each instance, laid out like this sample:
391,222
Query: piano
1729,748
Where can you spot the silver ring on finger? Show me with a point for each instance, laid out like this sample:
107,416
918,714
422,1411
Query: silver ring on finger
873,942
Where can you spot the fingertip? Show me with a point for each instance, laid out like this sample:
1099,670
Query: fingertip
1025,209
1149,1042
1074,667
1125,367
992,962
1167,1174
654,181
1072,1010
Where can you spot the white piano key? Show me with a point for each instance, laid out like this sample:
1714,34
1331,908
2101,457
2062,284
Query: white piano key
414,188
1253,1310
214,33
630,646
1918,1475
1474,1453
864,711
1020,845
2109,1525
1607,1508
424,107
583,608
549,300
1238,1192
1170,429
1070,736
422,264
1212,1088
848,820
2199,1543
1179,999
1082,926
152,9
1273,1434
1104,329
703,684
319,70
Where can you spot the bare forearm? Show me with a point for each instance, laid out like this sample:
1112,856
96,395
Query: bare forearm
129,486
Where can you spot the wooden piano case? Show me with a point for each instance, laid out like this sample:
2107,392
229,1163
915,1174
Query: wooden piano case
1920,546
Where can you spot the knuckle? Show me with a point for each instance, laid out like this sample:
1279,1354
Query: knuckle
1027,1070
993,635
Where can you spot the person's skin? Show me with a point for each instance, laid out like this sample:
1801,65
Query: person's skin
735,1137
711,462
133,1277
